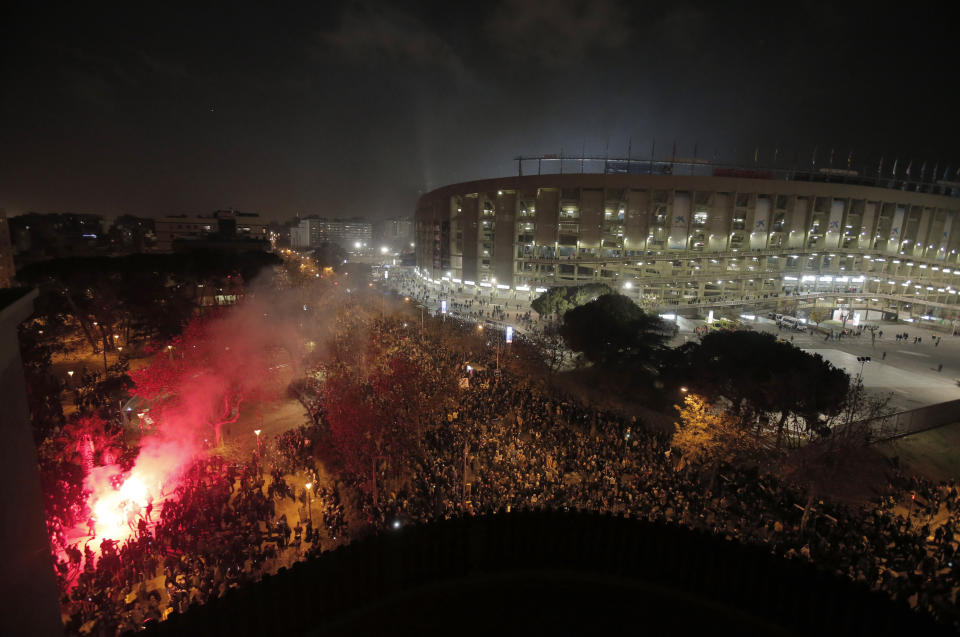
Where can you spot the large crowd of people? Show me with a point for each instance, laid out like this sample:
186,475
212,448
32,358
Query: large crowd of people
500,443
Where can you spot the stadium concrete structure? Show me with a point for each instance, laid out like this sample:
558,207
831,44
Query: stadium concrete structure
689,236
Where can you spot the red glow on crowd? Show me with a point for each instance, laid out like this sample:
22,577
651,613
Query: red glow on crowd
119,500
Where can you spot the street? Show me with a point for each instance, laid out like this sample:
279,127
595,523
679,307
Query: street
909,372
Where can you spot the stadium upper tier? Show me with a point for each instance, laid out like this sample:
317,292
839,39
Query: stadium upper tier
691,238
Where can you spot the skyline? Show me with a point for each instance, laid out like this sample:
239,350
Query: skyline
355,108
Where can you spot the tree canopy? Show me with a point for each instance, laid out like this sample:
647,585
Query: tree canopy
562,299
706,435
819,314
138,294
614,332
760,374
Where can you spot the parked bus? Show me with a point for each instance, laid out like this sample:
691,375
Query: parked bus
725,324
793,323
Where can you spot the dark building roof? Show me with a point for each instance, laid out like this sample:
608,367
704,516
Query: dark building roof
9,296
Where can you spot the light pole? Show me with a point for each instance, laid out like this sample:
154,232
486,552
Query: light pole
70,379
309,486
863,360
257,432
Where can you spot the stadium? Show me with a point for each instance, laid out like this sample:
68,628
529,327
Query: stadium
688,235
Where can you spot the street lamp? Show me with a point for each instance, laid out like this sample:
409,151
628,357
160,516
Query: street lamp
683,390
309,486
257,432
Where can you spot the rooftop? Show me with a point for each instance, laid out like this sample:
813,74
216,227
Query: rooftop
905,176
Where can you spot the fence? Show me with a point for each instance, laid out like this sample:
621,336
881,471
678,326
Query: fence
913,421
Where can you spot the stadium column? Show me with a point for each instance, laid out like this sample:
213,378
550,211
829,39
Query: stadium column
680,221
505,232
637,221
896,226
867,230
799,222
760,224
719,222
835,222
548,209
923,238
471,237
591,218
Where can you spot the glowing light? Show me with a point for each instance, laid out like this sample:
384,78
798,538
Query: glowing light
116,511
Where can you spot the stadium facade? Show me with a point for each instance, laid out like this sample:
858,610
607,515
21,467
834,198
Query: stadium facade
692,236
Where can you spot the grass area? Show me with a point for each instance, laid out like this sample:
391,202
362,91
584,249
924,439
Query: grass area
934,454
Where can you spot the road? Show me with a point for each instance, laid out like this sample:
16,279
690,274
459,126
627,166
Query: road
909,372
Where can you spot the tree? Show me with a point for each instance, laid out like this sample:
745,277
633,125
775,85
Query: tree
140,294
837,455
819,314
761,377
707,435
560,300
219,361
329,255
613,332
39,340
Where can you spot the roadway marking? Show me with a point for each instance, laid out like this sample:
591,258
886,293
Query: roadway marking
903,351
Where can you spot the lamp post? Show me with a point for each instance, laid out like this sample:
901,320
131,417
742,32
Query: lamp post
170,351
309,486
257,432
70,379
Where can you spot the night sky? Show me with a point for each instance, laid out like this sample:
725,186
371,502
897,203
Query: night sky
354,108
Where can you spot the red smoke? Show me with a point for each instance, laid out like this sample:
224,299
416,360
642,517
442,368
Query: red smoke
193,390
